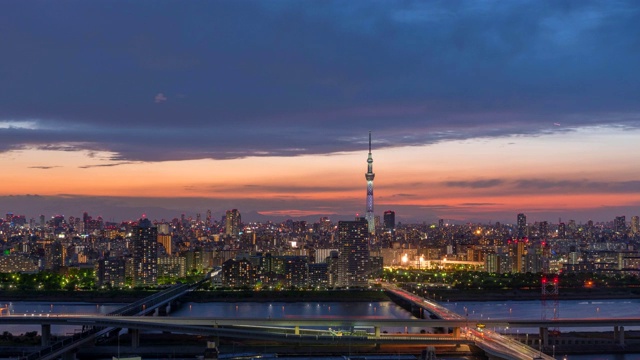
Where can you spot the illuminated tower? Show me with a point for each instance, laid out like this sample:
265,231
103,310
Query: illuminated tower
369,176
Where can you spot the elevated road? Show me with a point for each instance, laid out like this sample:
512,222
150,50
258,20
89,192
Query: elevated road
135,321
93,330
492,343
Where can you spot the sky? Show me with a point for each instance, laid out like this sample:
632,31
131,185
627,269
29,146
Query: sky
478,110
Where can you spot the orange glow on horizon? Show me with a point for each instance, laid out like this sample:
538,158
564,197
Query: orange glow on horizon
452,177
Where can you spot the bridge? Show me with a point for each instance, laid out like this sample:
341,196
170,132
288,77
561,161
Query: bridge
292,331
159,302
492,343
302,330
316,331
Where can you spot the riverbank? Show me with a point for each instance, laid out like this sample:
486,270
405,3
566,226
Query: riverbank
533,294
128,296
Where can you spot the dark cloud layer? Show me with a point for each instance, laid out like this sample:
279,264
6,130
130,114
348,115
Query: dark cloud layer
161,80
548,186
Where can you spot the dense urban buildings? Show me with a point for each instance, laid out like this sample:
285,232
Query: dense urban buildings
300,254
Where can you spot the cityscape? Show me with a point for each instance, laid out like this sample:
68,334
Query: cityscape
298,255
351,180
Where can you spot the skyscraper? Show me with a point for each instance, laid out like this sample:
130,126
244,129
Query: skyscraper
543,229
353,264
522,226
635,224
390,220
562,231
145,253
369,176
619,224
233,220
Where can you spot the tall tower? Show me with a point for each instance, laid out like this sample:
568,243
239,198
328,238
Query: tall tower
369,176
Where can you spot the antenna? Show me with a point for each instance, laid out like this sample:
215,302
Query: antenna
369,140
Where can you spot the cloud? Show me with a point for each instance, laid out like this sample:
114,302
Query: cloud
271,189
475,184
578,186
160,98
107,165
44,167
480,204
290,78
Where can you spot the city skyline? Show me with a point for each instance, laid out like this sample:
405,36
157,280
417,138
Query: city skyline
479,110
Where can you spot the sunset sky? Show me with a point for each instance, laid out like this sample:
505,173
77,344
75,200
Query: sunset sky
478,109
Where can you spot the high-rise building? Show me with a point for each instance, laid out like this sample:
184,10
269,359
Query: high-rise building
517,251
110,272
522,226
54,255
562,231
165,240
543,229
635,224
369,176
163,229
145,253
619,224
233,221
390,220
238,273
172,267
353,264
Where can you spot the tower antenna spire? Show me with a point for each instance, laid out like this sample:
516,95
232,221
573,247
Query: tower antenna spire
369,176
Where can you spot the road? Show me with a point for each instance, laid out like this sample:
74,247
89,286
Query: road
489,341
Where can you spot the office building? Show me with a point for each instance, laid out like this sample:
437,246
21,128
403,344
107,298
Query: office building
635,224
233,221
522,226
389,220
619,224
